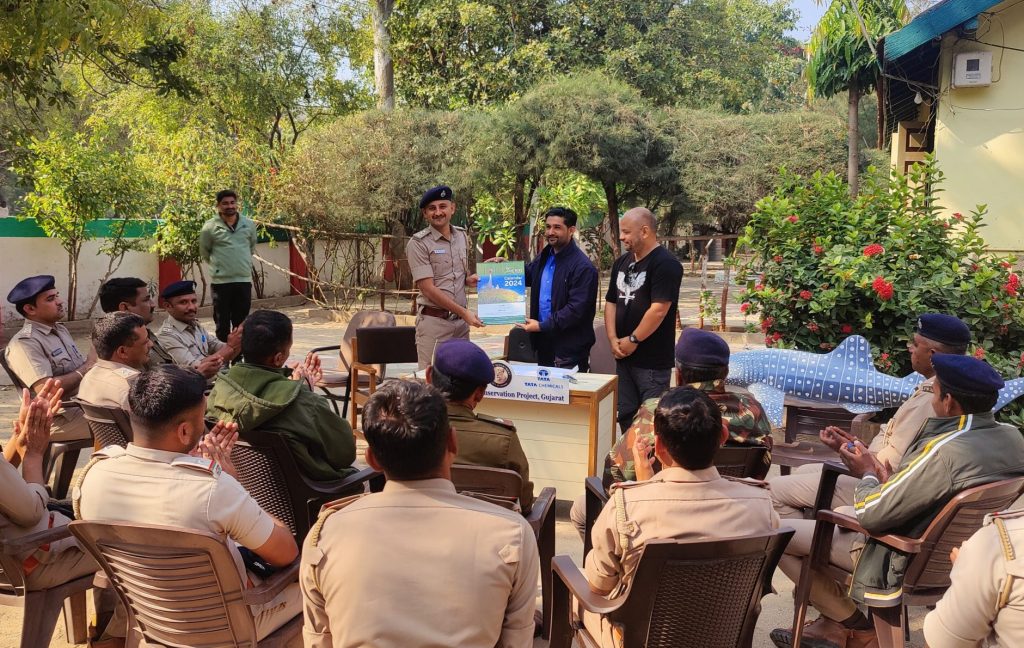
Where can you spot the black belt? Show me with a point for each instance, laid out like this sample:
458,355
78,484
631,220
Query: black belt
438,312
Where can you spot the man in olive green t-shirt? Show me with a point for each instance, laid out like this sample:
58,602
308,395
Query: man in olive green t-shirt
227,243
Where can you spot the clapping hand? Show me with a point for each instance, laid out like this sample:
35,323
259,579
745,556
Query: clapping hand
217,444
309,370
834,437
643,457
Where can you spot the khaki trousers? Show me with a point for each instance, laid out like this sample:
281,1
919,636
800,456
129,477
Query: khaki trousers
793,493
827,596
431,331
70,425
278,611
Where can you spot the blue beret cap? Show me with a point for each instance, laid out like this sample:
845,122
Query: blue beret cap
943,328
440,192
29,287
463,360
177,289
699,348
966,374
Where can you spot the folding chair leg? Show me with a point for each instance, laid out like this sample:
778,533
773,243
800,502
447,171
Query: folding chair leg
889,622
39,620
64,470
801,599
75,627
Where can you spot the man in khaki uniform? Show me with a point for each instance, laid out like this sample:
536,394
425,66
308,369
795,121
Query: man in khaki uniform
122,344
439,261
417,564
156,481
935,333
131,294
186,339
686,500
44,348
461,372
986,598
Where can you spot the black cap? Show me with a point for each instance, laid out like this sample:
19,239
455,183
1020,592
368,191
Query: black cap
701,349
177,289
966,374
28,288
944,329
464,360
440,192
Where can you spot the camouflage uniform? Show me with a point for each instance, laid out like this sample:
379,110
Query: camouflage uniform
747,423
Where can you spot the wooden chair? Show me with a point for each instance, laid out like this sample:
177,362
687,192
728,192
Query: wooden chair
339,378
61,456
109,425
927,575
802,445
509,485
519,346
267,470
181,587
381,346
682,594
601,359
42,607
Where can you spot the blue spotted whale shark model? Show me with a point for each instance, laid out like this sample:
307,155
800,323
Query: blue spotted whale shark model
846,376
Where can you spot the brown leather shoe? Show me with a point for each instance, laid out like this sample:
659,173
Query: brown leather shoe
826,633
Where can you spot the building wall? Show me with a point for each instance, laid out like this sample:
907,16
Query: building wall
979,132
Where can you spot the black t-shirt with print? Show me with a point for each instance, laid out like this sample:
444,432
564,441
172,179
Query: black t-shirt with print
634,285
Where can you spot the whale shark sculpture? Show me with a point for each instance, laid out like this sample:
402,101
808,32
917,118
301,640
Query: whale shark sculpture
846,376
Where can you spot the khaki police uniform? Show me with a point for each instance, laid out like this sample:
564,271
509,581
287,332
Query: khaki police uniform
23,512
419,565
187,344
39,351
490,441
678,504
431,255
158,355
986,598
107,384
793,493
147,486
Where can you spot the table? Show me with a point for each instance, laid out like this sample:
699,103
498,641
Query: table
565,444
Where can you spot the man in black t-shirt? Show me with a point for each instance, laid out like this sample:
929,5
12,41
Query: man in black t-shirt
640,313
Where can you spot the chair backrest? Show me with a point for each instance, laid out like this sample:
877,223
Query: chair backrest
180,587
17,382
742,462
108,425
519,346
489,481
808,421
359,320
699,594
955,523
265,466
601,359
384,345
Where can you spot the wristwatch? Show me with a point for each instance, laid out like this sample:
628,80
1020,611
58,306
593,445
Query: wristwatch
633,339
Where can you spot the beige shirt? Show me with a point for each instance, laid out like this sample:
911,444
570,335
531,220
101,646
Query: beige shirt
970,611
675,504
430,254
107,384
187,344
23,512
896,436
420,565
39,351
146,486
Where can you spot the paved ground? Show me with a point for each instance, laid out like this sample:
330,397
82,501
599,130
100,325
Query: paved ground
312,330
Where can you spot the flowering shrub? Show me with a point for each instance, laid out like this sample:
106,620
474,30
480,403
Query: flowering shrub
871,265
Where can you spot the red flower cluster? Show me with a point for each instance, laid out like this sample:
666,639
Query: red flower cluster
1021,363
846,329
979,353
958,216
744,307
1012,285
777,258
806,294
873,249
793,218
882,288
769,340
819,250
812,327
767,324
759,286
1006,264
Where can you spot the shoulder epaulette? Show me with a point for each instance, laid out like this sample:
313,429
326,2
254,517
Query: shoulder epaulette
509,425
327,511
109,452
420,234
208,466
746,480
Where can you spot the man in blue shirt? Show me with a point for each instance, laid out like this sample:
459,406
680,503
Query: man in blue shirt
563,297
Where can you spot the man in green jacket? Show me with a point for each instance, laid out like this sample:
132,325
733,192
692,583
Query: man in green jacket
960,448
227,243
260,392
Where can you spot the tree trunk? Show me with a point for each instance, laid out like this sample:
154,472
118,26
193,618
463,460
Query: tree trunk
73,280
611,195
383,66
853,138
880,96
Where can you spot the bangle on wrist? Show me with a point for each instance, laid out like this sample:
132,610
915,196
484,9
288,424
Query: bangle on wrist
80,374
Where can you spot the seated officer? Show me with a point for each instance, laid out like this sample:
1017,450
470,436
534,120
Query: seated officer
184,337
935,333
984,605
461,372
417,564
686,500
131,294
963,446
702,362
261,392
156,480
44,348
122,344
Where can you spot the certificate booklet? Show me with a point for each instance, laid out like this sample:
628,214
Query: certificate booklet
501,293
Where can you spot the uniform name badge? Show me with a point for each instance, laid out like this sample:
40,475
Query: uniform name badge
440,251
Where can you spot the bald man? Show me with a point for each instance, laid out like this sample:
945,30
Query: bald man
640,313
